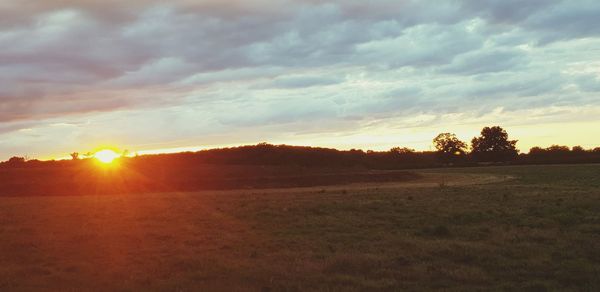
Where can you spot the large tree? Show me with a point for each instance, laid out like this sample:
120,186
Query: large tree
449,147
493,145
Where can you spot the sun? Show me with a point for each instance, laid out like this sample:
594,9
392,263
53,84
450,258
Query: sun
106,156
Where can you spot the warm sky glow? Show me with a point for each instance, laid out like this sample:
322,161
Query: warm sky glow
106,156
158,76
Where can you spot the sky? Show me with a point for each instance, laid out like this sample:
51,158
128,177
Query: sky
166,76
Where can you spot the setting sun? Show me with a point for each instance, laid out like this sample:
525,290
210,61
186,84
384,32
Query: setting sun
106,156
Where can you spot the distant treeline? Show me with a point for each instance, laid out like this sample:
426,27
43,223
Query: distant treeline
492,147
266,154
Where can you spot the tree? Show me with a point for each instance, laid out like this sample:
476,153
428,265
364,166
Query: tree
558,149
449,147
537,150
75,155
577,149
402,150
16,161
493,145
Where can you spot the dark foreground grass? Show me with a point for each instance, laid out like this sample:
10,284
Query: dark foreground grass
537,232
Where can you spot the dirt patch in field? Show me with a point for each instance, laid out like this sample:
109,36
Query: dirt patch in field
424,180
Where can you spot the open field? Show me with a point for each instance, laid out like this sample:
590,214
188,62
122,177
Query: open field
89,178
532,228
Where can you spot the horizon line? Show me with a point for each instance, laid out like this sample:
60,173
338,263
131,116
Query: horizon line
195,149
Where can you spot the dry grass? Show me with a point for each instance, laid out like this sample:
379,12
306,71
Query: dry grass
527,228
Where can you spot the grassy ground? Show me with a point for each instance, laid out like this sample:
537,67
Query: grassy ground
533,228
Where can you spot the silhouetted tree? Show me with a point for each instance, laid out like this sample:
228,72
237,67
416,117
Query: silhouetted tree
75,155
577,149
558,149
449,147
493,145
16,161
402,150
561,154
536,150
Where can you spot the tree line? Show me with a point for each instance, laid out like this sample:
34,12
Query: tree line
492,146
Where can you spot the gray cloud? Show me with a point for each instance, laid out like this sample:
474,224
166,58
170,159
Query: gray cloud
588,83
486,61
498,86
291,82
506,12
567,20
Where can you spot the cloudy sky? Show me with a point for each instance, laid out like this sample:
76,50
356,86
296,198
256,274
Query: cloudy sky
145,75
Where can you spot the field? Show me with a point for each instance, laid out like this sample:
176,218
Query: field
532,228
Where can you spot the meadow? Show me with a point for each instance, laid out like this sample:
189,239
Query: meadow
528,228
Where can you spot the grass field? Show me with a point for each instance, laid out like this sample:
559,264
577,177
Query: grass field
532,228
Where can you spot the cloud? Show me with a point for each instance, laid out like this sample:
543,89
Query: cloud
485,61
588,82
566,20
285,67
291,82
508,12
423,45
538,85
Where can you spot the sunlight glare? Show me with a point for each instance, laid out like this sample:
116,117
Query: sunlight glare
106,156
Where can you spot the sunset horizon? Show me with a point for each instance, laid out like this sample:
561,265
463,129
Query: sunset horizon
543,138
153,77
300,145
